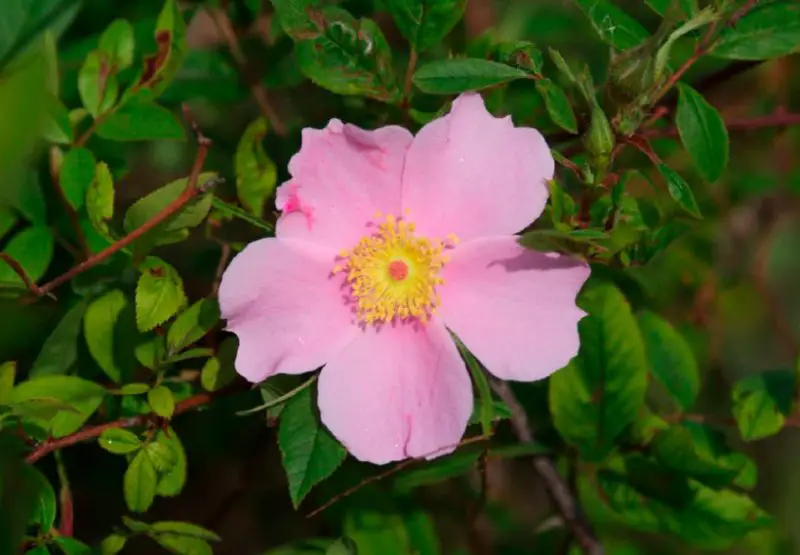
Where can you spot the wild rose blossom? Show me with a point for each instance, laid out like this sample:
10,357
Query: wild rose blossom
385,242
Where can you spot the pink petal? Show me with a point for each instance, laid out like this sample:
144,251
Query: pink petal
340,178
280,299
398,392
475,175
513,308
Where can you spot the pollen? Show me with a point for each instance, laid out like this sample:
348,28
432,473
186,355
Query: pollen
393,273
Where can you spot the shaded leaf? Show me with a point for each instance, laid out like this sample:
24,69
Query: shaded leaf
426,22
613,25
109,328
219,370
768,30
140,121
98,87
702,132
76,175
557,105
33,249
438,470
671,358
679,190
60,349
602,390
309,452
171,482
100,200
463,74
184,529
762,402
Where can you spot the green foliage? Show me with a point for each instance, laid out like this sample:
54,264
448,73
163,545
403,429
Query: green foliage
761,403
601,391
115,360
159,294
703,133
463,74
671,359
256,174
767,31
310,454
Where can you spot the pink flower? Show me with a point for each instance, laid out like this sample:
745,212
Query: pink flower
386,242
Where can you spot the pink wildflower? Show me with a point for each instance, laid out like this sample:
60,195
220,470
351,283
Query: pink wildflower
386,242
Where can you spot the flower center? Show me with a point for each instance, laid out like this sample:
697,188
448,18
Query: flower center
393,273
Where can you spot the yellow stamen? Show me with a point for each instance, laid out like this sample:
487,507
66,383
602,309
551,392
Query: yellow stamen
393,273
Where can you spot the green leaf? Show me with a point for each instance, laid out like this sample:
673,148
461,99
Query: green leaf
671,359
438,470
98,87
192,324
159,293
71,546
23,21
58,128
485,406
117,43
185,529
81,396
139,482
309,452
295,17
463,74
134,389
426,22
348,56
109,328
377,526
678,449
161,401
76,175
140,121
8,219
342,546
219,370
614,26
171,482
651,499
112,544
33,249
602,390
8,371
679,190
60,349
256,174
45,509
175,228
161,67
768,30
100,200
557,104
762,402
119,441
183,545
549,239
702,132
163,457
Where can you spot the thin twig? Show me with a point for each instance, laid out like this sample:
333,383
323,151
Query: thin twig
560,493
257,89
703,47
193,188
224,256
385,474
91,432
23,275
